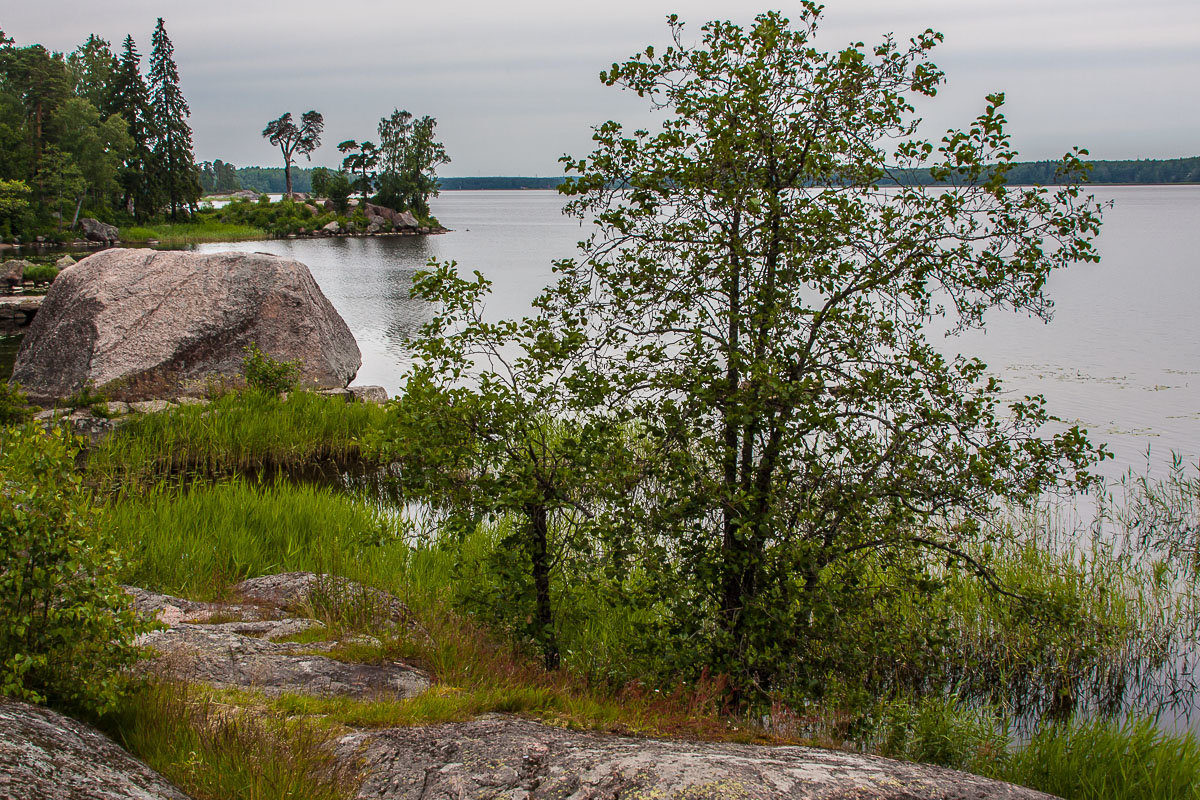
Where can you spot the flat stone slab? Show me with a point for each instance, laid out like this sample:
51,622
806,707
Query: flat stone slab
228,660
515,759
46,756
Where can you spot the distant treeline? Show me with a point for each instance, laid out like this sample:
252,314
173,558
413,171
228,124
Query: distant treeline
1173,170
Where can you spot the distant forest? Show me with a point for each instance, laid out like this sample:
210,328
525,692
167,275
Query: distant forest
1174,170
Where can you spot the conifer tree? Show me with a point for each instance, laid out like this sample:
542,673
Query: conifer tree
176,178
130,98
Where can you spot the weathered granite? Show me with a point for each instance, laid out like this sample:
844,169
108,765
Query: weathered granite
146,324
516,759
96,231
46,756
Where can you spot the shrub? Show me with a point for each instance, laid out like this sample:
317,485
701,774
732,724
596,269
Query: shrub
269,374
66,628
13,403
41,273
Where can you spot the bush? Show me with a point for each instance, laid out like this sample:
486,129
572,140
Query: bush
41,273
269,374
13,403
66,628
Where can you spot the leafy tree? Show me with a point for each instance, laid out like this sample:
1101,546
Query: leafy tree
762,309
92,66
62,182
291,138
360,161
42,82
14,203
485,429
129,97
174,172
97,146
337,189
409,156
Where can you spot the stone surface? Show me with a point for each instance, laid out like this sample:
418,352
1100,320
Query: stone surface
64,262
12,272
302,591
500,757
150,406
175,610
145,324
46,756
369,394
96,231
332,227
406,220
220,656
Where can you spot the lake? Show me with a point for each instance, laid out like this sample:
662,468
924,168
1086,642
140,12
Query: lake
1121,357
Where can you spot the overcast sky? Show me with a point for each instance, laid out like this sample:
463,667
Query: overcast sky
514,85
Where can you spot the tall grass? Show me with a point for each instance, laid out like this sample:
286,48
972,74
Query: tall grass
1108,760
238,432
215,751
175,234
199,540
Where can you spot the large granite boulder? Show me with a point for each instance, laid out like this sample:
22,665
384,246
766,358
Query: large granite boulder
46,756
145,324
96,231
516,758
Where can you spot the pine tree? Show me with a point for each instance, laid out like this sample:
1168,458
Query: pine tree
130,98
175,173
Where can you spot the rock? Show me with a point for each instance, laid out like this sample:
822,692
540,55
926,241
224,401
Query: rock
332,227
499,757
116,408
310,208
369,394
374,227
150,406
406,219
304,591
175,610
46,756
221,656
96,231
192,401
343,393
64,262
12,272
144,324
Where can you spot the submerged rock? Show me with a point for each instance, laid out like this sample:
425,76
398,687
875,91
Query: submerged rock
514,758
143,324
46,756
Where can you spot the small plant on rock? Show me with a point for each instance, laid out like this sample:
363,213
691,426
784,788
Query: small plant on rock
269,374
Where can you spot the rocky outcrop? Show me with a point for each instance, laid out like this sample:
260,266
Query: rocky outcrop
242,655
234,645
96,231
64,262
145,324
514,758
46,756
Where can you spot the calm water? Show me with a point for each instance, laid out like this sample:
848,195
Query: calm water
1122,355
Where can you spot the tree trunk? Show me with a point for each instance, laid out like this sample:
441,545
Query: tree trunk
539,530
287,177
75,219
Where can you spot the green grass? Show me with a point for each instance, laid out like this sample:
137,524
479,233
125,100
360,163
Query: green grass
180,233
215,751
197,540
1106,760
236,433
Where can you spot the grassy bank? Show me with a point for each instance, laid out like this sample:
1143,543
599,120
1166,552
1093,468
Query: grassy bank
176,234
196,499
